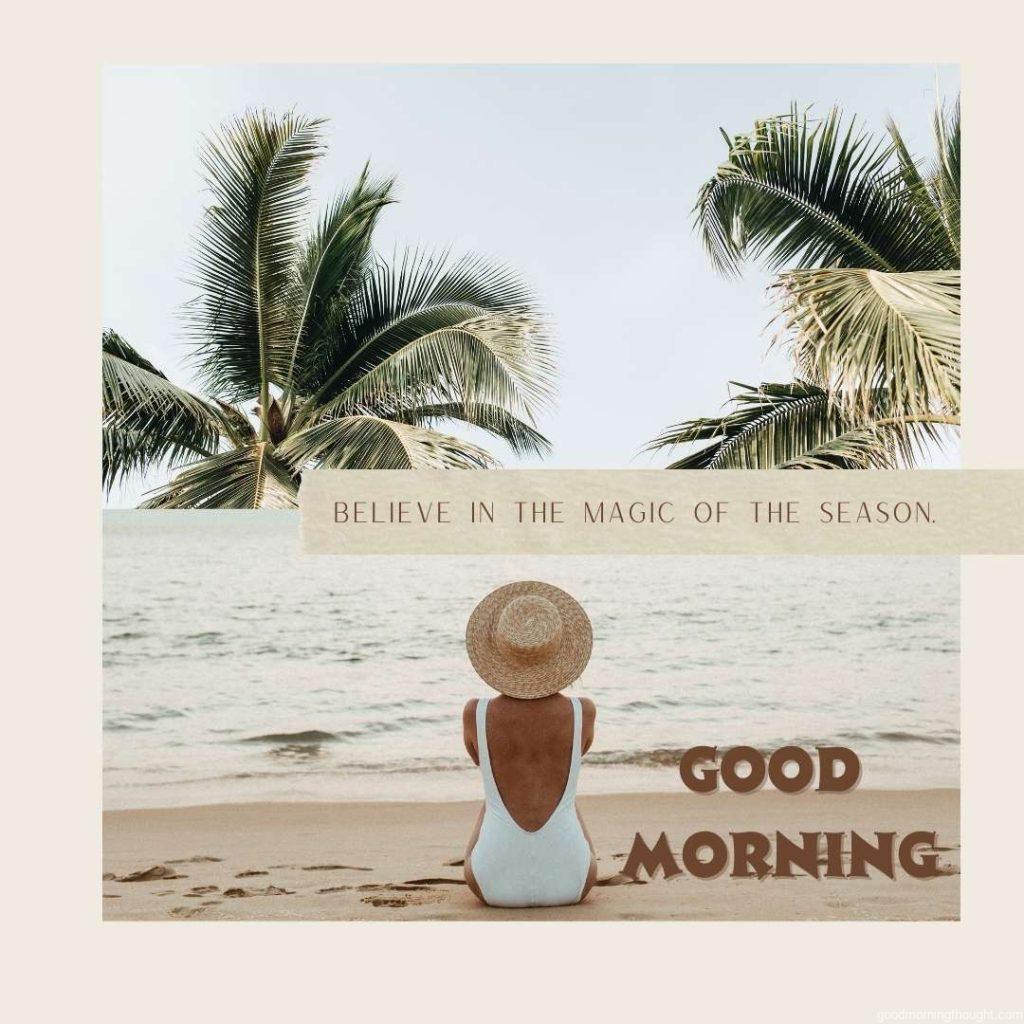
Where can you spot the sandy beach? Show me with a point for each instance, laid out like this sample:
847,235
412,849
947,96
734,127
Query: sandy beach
398,861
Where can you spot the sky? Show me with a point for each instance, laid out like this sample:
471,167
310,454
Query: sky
582,178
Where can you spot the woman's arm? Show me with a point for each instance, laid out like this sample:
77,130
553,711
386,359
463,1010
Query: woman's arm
469,730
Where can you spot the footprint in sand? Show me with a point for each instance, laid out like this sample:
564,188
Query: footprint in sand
418,899
202,890
250,874
457,863
336,888
436,881
160,871
199,858
270,890
335,867
188,911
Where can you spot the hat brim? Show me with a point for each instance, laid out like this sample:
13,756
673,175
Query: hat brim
528,681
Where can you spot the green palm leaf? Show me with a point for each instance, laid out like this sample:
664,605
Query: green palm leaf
148,420
808,193
334,261
429,328
789,426
873,446
862,332
946,177
369,442
256,169
522,437
245,478
935,194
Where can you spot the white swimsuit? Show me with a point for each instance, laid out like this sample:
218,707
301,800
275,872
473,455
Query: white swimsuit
516,868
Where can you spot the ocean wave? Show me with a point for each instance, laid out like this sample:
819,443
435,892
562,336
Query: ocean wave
210,636
373,728
306,736
949,738
126,721
691,701
656,758
943,739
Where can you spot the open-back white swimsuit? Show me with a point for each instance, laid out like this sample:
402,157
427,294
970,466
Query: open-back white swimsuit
516,868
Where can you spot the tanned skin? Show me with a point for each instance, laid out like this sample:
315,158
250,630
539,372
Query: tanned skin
530,743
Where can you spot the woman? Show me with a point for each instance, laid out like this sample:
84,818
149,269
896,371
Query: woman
529,848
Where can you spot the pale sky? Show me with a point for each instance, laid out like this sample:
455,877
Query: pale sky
582,178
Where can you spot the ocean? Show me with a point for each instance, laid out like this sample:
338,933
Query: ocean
237,669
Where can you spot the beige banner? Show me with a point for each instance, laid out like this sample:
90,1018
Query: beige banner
648,512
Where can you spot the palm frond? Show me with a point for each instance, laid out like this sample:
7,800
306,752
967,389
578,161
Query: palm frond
767,425
859,332
935,193
798,425
256,168
243,478
370,442
947,174
432,329
334,259
522,437
857,448
148,420
810,193
872,446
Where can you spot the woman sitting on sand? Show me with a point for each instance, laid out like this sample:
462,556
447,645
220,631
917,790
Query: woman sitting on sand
529,848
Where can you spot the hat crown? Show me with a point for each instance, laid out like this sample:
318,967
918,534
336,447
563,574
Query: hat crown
528,628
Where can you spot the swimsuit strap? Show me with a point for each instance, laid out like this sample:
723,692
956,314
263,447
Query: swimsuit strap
491,793
577,750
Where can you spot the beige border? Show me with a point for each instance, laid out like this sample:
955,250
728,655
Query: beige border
63,963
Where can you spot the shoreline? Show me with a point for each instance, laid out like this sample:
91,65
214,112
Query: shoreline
393,860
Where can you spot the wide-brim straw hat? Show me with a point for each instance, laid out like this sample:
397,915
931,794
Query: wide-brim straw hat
529,639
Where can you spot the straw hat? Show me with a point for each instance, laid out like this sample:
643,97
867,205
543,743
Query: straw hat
529,639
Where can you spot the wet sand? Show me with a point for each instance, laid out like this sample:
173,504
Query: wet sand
401,861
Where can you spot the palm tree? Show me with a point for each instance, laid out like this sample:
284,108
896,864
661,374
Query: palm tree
870,309
315,351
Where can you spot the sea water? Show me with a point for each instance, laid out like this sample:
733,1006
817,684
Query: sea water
236,668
